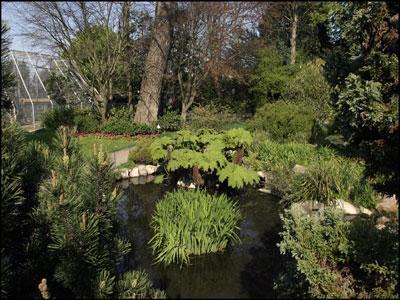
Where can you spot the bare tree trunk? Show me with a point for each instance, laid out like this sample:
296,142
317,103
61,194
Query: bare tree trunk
150,89
293,40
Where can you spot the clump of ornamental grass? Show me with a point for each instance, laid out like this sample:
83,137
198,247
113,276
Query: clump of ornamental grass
187,223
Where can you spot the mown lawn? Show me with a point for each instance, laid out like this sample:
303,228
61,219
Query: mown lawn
86,143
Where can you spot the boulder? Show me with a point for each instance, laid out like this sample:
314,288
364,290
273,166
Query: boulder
264,190
134,172
365,211
124,173
191,186
142,170
299,169
262,174
180,183
388,204
151,169
348,208
381,222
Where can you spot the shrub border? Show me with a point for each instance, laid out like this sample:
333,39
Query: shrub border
116,136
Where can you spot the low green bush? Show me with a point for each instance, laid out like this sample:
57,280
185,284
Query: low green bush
59,116
187,223
341,259
170,121
141,152
86,121
126,126
284,122
211,116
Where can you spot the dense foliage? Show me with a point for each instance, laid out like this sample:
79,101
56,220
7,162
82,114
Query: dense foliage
339,259
210,116
207,156
59,116
141,152
283,121
189,223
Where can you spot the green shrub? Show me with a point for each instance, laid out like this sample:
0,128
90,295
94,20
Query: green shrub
121,112
325,181
59,116
170,121
309,87
141,152
86,121
189,223
342,259
319,247
125,126
211,116
364,195
137,284
284,121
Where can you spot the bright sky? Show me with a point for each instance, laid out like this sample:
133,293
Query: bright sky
16,25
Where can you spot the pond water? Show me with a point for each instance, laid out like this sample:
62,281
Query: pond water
242,271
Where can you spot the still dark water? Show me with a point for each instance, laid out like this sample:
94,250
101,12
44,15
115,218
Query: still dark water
242,271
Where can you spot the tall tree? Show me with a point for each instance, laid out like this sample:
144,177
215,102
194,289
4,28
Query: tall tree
84,34
206,44
156,61
7,78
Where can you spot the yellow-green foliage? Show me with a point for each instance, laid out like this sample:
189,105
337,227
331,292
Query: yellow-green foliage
189,223
211,152
140,153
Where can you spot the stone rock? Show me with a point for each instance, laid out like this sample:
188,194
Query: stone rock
142,179
191,186
134,180
388,204
134,172
264,190
382,220
262,174
299,169
308,207
151,169
142,170
347,207
365,211
180,183
124,173
150,178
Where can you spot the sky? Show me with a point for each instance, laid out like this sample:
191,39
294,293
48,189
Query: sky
16,25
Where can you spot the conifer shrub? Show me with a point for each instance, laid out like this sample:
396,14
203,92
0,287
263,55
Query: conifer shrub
56,117
284,122
210,116
187,223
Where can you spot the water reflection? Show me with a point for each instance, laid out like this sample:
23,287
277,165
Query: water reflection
245,270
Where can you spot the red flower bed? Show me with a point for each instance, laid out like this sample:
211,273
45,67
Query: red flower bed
116,136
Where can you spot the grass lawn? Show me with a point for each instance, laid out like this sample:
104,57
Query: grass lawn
86,142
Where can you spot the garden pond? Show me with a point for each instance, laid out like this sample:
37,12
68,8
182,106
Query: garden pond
241,271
